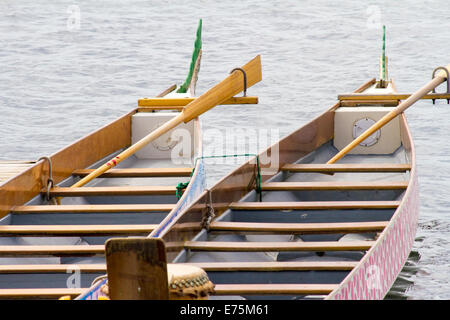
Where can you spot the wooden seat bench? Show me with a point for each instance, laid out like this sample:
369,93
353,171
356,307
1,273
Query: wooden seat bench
333,185
93,208
138,172
299,228
111,191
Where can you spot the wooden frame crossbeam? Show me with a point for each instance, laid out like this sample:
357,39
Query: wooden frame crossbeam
333,185
181,102
347,167
273,289
389,97
314,205
277,246
67,230
299,228
138,172
111,191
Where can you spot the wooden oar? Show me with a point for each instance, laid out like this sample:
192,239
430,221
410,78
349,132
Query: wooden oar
440,77
226,89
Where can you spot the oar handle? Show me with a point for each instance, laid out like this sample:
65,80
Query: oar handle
440,77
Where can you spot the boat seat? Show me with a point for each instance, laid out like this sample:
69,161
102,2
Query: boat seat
73,230
207,266
299,228
111,191
278,246
347,167
314,205
333,185
138,172
273,289
92,208
220,289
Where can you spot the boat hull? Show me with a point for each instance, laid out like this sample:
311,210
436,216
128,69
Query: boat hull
376,265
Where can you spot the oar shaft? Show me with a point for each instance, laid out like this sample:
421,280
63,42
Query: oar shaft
391,115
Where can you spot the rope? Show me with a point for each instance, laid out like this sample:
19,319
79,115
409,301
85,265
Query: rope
208,214
50,182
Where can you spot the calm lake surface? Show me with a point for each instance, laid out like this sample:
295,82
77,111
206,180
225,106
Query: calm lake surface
68,67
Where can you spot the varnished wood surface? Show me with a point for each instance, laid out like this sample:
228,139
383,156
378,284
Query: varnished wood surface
275,266
48,250
278,246
40,293
299,228
220,289
314,205
353,167
137,269
381,103
207,266
273,289
112,191
138,172
73,230
181,102
334,185
387,97
93,208
51,268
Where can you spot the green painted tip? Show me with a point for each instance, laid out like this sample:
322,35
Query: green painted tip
197,47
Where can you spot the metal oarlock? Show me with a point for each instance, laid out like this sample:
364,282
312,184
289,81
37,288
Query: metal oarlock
448,82
245,79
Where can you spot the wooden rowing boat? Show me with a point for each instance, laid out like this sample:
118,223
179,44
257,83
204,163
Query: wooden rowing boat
54,248
313,235
299,227
55,218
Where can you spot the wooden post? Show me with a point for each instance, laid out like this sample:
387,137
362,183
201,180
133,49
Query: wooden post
137,269
440,77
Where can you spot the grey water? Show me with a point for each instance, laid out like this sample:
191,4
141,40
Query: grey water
69,67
